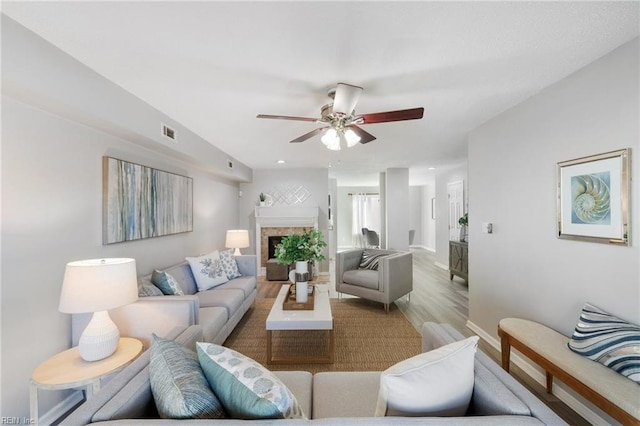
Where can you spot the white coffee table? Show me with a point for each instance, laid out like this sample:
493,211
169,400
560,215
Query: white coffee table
320,318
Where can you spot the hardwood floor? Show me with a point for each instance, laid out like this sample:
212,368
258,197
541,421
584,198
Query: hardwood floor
438,299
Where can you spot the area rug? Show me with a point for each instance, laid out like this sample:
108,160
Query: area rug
366,338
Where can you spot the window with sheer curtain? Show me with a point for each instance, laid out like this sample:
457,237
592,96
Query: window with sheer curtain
366,214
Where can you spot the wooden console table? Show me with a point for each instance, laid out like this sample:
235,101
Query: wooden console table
459,260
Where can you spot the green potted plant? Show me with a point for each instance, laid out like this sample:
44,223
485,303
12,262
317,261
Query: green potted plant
301,249
262,198
463,222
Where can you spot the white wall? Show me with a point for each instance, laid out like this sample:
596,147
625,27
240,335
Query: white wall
522,269
416,213
315,181
52,197
396,206
428,220
442,210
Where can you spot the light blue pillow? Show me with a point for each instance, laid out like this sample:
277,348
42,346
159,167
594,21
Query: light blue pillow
178,385
229,264
246,389
166,283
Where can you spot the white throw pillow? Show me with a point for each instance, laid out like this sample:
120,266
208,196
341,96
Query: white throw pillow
434,383
207,270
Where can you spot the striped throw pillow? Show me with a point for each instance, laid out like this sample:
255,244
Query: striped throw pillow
370,260
608,340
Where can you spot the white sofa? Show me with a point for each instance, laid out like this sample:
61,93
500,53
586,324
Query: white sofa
217,310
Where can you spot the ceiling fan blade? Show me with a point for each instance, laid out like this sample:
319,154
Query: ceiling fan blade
346,98
309,135
287,117
384,117
365,137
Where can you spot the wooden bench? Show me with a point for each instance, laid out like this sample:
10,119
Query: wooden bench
613,393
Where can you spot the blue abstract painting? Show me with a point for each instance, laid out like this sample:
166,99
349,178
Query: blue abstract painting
142,202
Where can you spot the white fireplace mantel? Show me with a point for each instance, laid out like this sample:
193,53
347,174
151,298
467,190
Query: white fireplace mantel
282,216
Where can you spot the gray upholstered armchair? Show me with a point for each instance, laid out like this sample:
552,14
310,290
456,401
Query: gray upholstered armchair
392,280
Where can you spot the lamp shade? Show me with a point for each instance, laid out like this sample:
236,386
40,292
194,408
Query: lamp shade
237,238
98,285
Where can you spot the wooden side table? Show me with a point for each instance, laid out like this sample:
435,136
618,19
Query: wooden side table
68,370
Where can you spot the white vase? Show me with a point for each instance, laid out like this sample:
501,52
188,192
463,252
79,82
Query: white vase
301,292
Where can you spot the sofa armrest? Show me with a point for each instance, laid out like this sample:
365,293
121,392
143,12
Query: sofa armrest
153,314
396,274
247,264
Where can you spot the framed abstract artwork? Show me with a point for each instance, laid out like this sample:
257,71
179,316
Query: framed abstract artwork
142,202
594,198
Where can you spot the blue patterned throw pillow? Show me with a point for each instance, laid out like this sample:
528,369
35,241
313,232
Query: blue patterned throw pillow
166,283
608,340
147,288
246,389
229,264
178,385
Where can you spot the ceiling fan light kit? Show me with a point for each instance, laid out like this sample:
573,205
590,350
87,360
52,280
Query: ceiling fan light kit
342,122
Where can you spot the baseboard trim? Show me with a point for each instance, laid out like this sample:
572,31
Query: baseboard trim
530,369
442,266
60,409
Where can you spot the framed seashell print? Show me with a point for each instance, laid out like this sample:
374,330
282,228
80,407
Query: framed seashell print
593,198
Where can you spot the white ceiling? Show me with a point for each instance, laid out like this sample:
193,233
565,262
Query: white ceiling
213,66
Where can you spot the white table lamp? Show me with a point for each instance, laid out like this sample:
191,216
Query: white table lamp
98,285
237,239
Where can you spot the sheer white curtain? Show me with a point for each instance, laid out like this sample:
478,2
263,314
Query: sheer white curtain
366,214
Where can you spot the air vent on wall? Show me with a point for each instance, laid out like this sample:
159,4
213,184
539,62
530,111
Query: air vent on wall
168,132
229,164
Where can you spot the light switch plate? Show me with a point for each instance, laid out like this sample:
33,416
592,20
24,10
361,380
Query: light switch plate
487,227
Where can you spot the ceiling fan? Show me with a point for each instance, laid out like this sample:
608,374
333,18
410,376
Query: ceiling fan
341,121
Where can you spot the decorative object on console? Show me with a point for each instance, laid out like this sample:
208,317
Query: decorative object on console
97,285
246,389
594,198
237,239
463,222
207,270
288,194
608,340
262,199
435,383
141,202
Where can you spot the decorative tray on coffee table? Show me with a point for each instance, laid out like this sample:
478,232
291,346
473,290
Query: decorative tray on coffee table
290,303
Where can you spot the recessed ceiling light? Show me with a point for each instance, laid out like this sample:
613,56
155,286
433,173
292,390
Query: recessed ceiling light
432,168
280,161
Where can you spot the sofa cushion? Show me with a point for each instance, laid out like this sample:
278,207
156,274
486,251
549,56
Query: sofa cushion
345,394
246,284
166,283
229,264
226,298
362,278
608,340
179,387
207,270
212,320
371,260
247,389
435,383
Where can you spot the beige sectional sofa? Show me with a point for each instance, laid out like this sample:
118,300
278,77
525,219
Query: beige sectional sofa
217,310
333,398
